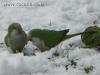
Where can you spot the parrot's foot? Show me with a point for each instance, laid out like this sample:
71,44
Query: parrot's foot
32,54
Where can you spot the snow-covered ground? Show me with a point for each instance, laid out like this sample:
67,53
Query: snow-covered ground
54,15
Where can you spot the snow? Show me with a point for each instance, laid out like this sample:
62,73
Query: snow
54,15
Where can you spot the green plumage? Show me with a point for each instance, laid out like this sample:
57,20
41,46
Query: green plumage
50,38
11,28
16,38
91,39
6,39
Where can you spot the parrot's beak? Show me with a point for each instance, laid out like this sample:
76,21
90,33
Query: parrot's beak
29,39
19,29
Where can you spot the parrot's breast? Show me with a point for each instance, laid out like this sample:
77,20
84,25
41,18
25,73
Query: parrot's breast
39,43
18,40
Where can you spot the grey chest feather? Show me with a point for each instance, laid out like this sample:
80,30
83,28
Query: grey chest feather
17,38
39,43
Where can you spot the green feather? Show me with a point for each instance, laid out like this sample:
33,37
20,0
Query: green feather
6,39
91,39
50,37
10,29
14,39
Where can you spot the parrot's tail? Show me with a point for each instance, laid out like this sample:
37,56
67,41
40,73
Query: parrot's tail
72,35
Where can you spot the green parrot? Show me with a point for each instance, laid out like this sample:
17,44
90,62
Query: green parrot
16,38
91,39
46,39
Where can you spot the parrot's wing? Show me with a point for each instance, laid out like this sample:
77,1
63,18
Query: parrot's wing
6,40
96,41
52,38
10,29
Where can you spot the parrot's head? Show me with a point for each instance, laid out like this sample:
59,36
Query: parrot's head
15,26
32,33
91,36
